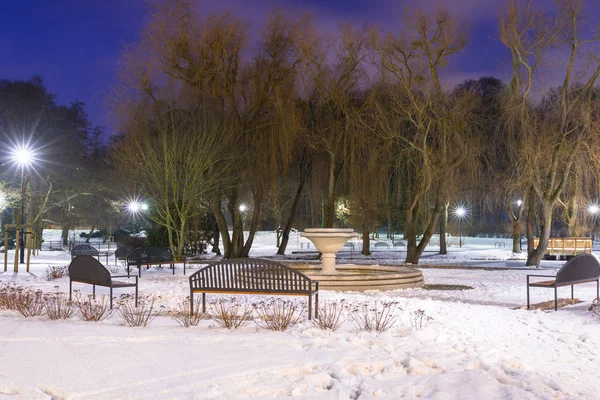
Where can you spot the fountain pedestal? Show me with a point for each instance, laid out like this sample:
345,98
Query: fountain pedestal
328,241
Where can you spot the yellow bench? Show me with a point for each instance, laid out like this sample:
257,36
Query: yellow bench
566,247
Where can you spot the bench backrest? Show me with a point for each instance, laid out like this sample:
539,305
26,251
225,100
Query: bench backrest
581,267
250,275
88,269
150,255
123,251
84,249
381,244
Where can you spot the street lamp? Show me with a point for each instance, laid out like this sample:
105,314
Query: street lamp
135,206
242,207
593,210
22,156
460,213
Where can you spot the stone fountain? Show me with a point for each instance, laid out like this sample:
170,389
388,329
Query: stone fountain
350,277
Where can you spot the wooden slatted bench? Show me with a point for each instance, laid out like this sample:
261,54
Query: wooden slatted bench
252,276
583,268
86,269
147,256
566,247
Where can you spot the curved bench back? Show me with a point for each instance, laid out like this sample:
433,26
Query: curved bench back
123,251
250,275
84,249
88,269
581,267
150,255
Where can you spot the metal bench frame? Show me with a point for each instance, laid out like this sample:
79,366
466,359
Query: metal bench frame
147,256
86,269
583,268
252,276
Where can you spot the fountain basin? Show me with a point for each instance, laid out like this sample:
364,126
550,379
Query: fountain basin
349,277
328,241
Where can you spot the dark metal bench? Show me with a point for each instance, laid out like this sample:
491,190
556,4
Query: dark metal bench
583,268
252,276
87,250
147,256
122,252
86,269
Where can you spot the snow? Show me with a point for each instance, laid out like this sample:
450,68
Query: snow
479,345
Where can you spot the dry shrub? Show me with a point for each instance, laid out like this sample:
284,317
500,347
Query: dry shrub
53,273
330,316
141,315
8,294
230,314
183,317
595,307
30,303
277,314
378,318
58,306
114,269
419,320
93,310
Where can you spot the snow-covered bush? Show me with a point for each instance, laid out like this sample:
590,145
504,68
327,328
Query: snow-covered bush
58,306
378,318
7,296
330,316
230,314
419,320
141,315
53,273
182,315
277,314
93,310
595,308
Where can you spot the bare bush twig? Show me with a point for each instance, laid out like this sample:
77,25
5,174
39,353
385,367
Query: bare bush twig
58,306
230,314
93,310
419,320
277,314
330,316
53,273
29,302
379,319
182,315
141,315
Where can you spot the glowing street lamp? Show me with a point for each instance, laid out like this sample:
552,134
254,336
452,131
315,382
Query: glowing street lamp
22,156
243,207
135,206
460,212
519,203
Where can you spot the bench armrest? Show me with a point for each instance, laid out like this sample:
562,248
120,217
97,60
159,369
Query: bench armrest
543,276
124,276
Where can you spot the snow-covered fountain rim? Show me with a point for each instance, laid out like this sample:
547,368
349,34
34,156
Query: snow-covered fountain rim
330,230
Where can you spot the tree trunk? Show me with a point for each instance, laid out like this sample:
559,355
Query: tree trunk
414,251
535,256
329,208
531,211
215,205
444,228
89,235
366,248
237,241
253,224
516,235
285,237
65,235
215,232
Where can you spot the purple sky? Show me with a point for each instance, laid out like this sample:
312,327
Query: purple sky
75,44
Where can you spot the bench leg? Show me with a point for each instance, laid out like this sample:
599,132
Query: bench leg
572,292
309,305
555,299
528,297
140,270
203,302
70,290
136,293
173,268
184,266
317,305
111,298
191,302
597,288
94,292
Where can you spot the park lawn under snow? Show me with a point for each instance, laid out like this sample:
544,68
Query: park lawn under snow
478,346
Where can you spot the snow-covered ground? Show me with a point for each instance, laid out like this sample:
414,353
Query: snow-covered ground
478,345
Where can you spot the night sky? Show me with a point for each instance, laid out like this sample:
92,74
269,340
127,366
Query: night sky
75,45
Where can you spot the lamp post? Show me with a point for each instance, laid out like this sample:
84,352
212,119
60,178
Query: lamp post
22,156
593,210
460,213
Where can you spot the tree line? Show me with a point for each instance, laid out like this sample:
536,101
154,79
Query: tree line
356,127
